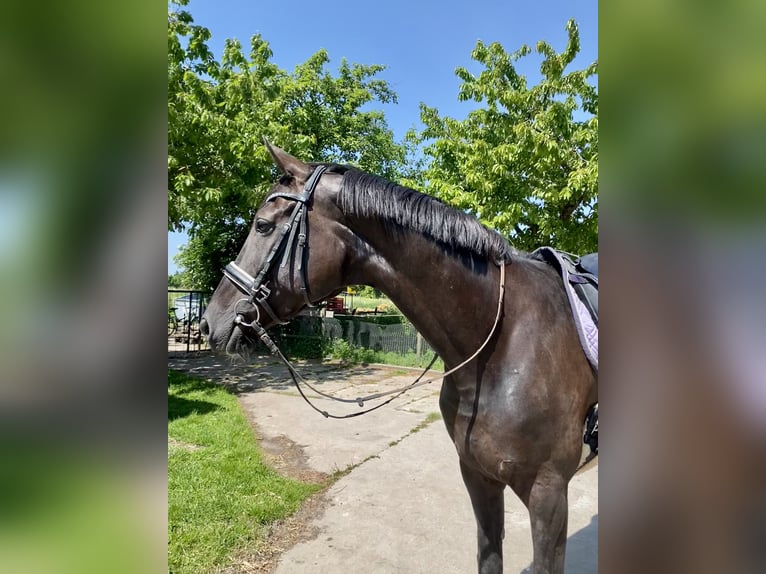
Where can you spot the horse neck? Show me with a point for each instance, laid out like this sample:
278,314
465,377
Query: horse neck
450,298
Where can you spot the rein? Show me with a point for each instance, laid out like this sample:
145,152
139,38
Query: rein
258,292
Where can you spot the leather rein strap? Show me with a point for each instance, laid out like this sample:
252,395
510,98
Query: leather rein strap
257,292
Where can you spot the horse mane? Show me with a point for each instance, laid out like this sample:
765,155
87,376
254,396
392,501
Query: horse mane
366,195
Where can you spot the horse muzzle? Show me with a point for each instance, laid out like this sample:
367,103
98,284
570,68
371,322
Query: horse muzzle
204,328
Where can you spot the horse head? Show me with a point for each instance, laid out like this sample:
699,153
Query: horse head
293,257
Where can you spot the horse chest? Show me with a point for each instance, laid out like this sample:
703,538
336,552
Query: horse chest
478,446
490,432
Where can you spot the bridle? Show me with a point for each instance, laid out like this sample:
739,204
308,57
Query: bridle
255,288
257,293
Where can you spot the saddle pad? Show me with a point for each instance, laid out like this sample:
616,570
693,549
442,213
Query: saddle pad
582,291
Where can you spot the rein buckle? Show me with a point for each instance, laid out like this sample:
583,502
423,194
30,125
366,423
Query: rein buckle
264,293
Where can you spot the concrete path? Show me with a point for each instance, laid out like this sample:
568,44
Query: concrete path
402,507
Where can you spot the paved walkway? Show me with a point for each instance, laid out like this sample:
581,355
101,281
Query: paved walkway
402,507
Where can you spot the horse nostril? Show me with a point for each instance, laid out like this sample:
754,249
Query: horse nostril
204,328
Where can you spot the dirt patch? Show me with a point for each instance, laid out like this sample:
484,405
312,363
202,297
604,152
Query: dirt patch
279,538
288,459
284,455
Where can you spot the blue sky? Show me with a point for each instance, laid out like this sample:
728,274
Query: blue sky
421,43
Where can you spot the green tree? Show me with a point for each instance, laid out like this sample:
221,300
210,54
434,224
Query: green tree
218,113
526,162
178,280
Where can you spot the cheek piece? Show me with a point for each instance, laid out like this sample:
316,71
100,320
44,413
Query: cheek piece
291,239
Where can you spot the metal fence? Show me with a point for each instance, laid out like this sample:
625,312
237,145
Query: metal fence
185,309
387,333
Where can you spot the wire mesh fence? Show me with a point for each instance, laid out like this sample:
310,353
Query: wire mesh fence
305,334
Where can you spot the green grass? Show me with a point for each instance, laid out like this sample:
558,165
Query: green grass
432,417
351,354
364,298
221,495
362,302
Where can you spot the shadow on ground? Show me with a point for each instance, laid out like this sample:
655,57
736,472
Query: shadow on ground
263,372
582,546
179,407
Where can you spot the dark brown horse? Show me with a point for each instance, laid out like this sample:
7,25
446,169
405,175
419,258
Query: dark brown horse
515,413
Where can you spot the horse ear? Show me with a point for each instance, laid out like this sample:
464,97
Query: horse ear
287,164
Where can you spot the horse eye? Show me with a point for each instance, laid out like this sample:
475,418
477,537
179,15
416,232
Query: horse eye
263,226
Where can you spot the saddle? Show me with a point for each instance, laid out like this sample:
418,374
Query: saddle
580,278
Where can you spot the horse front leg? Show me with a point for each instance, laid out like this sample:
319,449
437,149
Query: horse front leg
548,514
488,509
